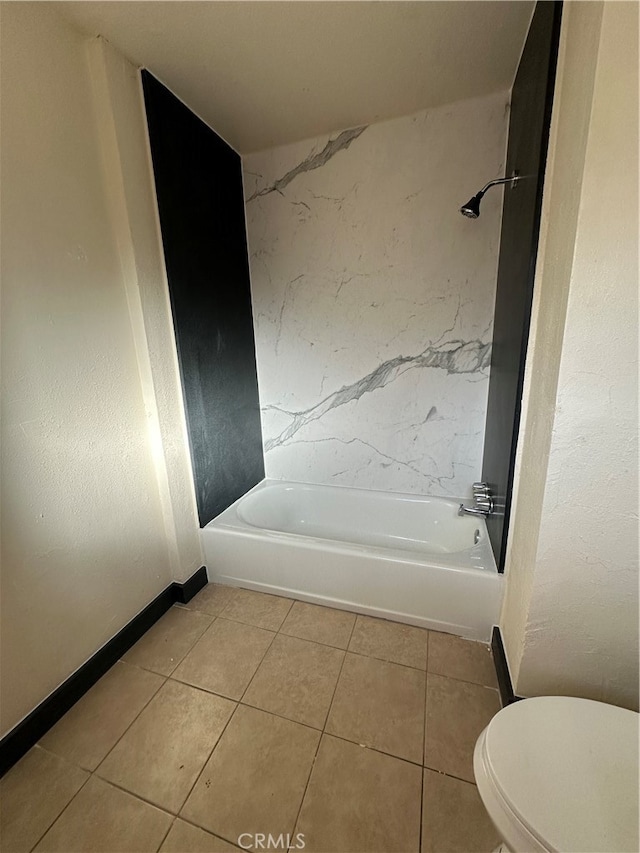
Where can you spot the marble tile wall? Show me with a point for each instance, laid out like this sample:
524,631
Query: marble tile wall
373,299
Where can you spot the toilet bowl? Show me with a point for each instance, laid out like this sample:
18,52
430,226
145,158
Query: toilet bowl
561,774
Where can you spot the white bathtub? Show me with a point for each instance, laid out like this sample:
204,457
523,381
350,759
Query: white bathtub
402,557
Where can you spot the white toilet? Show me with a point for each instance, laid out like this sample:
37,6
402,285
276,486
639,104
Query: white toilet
561,774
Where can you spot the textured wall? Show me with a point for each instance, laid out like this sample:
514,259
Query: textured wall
129,186
570,617
83,539
373,299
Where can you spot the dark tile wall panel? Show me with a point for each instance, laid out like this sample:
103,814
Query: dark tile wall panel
201,206
527,150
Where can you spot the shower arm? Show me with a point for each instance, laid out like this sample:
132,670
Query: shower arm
512,180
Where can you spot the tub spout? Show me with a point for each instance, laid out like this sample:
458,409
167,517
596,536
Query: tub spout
473,510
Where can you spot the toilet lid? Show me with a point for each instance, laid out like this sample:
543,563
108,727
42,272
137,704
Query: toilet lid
568,770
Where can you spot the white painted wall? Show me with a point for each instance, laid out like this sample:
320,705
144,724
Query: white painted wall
130,191
373,299
570,618
84,539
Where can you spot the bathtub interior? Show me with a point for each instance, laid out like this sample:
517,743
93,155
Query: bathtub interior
410,527
423,525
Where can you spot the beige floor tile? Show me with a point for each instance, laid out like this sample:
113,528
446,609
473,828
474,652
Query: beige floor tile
90,729
225,658
360,801
296,679
463,659
256,777
161,755
103,819
185,838
453,817
256,608
32,795
390,641
168,641
319,624
456,714
213,598
380,705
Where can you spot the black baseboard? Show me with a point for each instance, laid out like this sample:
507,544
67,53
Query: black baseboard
184,592
29,731
507,696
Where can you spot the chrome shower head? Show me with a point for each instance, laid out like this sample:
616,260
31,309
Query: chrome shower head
472,207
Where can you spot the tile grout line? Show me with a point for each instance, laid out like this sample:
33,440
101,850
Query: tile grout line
93,773
450,775
237,622
194,644
262,710
58,816
335,689
231,716
190,821
166,835
197,640
266,652
322,733
146,704
282,598
119,787
216,835
193,823
196,780
303,640
319,642
208,758
110,750
374,749
204,689
279,715
386,660
424,743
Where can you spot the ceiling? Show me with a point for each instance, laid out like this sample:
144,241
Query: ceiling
265,73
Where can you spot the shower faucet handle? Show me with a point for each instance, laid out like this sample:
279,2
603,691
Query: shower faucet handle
481,491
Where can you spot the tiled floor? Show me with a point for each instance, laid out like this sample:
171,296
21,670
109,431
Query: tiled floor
244,714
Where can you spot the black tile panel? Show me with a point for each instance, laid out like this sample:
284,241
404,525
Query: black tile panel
527,151
201,207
